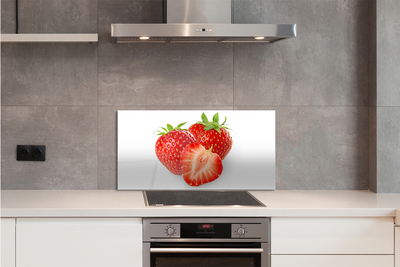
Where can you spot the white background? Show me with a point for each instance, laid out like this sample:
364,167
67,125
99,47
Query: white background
250,165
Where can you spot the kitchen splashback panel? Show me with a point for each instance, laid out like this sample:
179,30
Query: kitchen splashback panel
250,164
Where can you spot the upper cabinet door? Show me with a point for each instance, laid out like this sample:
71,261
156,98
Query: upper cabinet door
79,242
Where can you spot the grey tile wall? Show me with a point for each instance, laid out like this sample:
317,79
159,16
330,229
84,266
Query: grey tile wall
8,16
372,101
373,174
49,74
388,149
388,45
70,136
326,65
387,100
321,148
57,16
165,74
317,82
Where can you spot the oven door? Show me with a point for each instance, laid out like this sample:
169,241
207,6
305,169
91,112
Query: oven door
193,254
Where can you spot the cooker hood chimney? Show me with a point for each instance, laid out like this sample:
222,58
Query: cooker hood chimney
200,21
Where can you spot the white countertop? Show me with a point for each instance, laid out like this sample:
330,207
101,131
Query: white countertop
112,203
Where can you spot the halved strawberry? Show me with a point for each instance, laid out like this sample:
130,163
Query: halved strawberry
200,166
170,144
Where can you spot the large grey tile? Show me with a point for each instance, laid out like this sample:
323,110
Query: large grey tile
107,155
321,148
326,64
8,16
373,57
70,137
127,11
165,74
49,74
388,150
107,150
388,56
57,16
373,177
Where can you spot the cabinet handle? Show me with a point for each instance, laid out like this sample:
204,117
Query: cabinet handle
206,250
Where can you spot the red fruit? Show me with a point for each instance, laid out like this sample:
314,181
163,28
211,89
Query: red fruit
213,135
170,145
200,166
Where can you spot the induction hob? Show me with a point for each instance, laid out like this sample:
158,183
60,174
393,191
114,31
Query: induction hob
201,198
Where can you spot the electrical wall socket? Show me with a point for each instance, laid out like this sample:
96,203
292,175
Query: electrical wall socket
31,153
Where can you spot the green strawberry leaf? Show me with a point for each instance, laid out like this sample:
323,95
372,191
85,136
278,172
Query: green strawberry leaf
224,121
216,118
214,124
204,118
180,125
170,128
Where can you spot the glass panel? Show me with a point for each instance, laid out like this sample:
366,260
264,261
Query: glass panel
205,260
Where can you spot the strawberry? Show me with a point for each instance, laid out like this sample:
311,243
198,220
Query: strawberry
213,135
170,145
199,165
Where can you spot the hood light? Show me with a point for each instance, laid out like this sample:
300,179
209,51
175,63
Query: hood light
259,37
144,37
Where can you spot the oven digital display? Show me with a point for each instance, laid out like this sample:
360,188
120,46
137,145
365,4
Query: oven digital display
205,230
205,227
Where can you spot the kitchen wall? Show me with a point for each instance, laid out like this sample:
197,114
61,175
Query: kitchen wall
385,102
65,96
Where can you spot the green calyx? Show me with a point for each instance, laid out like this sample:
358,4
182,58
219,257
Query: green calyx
170,128
214,124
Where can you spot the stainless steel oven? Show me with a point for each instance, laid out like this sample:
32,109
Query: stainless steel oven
198,242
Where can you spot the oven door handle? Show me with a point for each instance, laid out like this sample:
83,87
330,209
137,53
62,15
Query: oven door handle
206,250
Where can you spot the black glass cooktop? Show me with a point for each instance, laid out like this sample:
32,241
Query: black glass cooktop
200,198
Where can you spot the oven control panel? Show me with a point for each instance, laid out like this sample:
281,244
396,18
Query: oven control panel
206,229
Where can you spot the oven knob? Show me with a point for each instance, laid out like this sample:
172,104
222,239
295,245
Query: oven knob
170,231
241,231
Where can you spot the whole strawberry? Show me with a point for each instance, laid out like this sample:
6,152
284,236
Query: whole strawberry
213,135
170,145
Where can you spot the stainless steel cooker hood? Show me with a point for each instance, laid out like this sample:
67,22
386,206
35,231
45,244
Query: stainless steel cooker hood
199,21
